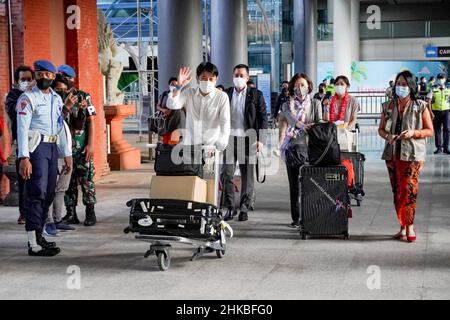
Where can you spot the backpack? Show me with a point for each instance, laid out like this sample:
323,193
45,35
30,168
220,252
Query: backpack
323,147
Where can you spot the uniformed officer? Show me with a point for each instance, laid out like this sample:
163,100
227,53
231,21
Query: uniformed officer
41,139
81,124
330,87
439,98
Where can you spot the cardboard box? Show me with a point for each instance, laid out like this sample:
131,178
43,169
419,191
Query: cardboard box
178,188
210,195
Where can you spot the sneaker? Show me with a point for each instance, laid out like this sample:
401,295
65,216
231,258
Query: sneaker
276,153
50,230
61,226
294,225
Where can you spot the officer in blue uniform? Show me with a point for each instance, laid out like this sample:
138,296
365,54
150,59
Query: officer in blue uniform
41,138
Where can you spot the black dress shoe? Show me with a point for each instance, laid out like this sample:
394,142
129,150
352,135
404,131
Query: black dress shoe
44,252
438,151
229,215
447,151
243,216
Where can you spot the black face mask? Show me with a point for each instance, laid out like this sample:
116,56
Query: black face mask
43,83
62,94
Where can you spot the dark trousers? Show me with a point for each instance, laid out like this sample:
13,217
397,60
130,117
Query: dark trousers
239,149
40,189
293,173
441,125
21,188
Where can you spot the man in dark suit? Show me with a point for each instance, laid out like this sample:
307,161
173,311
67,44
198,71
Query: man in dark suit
248,127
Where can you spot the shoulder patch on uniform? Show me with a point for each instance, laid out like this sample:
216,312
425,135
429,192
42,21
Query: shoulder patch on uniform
24,101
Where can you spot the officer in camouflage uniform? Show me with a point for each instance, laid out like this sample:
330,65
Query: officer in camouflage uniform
81,123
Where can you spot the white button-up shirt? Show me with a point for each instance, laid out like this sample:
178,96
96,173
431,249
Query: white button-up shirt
207,118
237,112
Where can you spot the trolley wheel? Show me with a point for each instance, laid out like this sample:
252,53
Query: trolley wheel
220,253
163,258
303,235
346,236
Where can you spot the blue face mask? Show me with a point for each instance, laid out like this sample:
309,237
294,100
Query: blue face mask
402,92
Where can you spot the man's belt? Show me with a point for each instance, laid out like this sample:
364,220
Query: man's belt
49,139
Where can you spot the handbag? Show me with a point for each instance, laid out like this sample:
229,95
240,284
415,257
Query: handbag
323,148
345,139
178,160
296,155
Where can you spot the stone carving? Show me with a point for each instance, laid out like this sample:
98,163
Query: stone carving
110,68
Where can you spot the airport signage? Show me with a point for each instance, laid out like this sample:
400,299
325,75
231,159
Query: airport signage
437,52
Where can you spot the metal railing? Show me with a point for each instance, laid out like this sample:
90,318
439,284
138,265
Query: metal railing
370,103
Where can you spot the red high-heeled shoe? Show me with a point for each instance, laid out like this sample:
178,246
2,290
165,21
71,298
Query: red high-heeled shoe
411,238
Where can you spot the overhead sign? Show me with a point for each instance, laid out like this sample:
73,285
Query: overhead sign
431,52
437,52
443,52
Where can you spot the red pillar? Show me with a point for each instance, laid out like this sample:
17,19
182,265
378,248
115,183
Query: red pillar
82,55
5,140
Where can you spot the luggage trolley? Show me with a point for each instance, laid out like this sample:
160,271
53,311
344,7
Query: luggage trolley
160,243
358,159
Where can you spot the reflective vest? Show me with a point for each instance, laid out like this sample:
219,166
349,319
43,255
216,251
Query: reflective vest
441,99
330,88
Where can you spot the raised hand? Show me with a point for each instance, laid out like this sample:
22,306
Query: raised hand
184,77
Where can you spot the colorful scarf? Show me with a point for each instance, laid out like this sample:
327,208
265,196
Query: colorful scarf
299,110
342,108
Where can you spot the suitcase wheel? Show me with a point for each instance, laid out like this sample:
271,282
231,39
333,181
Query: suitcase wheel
346,236
163,258
220,253
304,235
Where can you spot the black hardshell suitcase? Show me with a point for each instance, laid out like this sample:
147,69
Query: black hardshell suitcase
358,160
178,160
323,201
175,218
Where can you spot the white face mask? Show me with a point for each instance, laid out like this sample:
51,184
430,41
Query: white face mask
239,82
23,85
207,86
171,88
441,82
340,90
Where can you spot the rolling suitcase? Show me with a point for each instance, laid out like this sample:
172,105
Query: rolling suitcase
323,201
174,218
357,192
